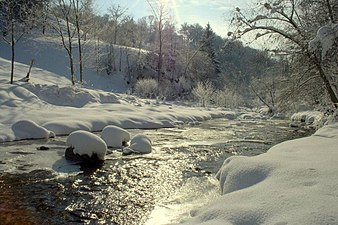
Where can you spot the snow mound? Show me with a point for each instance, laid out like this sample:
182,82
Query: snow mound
295,182
328,132
86,143
139,144
70,95
14,96
313,118
115,136
66,126
234,179
251,116
27,129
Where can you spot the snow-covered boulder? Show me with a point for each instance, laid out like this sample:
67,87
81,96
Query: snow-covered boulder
308,118
84,143
28,129
139,144
115,136
251,116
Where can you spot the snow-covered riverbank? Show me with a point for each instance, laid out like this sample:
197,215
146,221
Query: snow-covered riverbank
52,103
295,182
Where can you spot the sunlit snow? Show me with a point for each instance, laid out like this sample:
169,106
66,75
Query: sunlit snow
86,143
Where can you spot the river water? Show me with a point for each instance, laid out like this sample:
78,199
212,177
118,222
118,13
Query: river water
160,188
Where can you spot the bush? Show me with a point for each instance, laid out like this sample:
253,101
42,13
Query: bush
203,92
146,88
227,98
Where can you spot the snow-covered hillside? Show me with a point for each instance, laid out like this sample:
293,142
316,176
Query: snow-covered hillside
49,55
63,108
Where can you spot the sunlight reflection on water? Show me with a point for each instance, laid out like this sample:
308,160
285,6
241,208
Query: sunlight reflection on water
158,188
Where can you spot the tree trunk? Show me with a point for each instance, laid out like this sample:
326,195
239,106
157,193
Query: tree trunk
78,31
13,49
330,11
98,56
80,54
115,35
328,86
120,61
30,68
160,57
70,53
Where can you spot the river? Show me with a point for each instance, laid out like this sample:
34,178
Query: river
159,188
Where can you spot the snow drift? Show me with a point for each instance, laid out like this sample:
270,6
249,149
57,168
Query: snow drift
295,182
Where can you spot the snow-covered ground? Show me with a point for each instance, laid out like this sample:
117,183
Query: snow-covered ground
295,182
49,101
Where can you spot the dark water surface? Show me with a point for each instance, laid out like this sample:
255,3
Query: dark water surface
126,189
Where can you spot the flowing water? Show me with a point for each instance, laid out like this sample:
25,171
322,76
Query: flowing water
159,188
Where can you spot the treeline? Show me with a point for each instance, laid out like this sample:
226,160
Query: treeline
172,62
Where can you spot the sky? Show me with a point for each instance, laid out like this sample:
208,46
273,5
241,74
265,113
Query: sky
216,12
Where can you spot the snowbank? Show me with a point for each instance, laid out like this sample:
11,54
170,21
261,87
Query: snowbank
295,182
63,109
27,129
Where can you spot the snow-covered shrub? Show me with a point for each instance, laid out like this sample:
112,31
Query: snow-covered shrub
139,144
203,92
146,88
185,86
115,136
86,143
227,98
167,90
28,129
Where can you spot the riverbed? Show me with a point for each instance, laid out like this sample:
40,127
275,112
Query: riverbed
159,188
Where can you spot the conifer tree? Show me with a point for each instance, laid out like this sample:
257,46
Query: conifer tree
207,46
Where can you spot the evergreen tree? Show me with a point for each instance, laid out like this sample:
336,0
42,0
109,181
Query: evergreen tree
207,46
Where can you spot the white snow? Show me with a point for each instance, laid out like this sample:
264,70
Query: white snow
310,118
140,144
86,143
27,129
115,136
62,108
295,182
324,40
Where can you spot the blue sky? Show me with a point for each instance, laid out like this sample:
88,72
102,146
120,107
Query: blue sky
216,12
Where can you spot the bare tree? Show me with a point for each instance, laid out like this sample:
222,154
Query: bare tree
117,16
161,14
82,15
293,24
62,25
17,18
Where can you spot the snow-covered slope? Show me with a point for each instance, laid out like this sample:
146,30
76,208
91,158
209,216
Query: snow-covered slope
49,55
63,109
